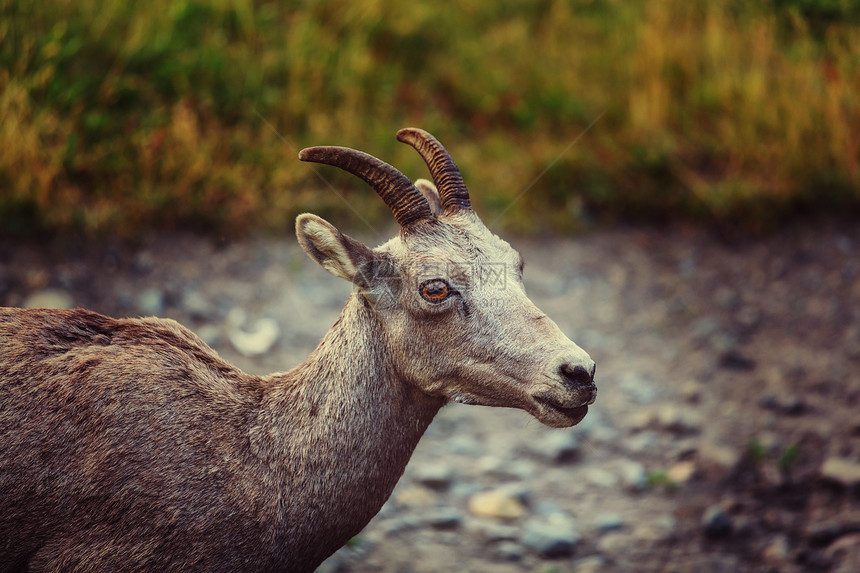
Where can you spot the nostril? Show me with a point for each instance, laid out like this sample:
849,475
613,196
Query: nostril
577,376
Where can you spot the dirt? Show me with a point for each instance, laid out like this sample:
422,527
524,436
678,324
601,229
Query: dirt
728,375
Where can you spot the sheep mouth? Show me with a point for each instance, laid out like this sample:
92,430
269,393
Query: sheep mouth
558,415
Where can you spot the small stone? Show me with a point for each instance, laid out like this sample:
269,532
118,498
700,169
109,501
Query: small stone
557,447
496,503
786,405
642,442
691,392
633,475
716,522
508,551
600,477
667,524
844,554
396,525
258,340
604,435
776,551
492,531
681,472
678,420
415,496
642,419
734,360
519,491
196,305
660,529
434,476
547,508
841,471
150,302
497,467
488,464
443,518
615,543
463,489
519,469
556,537
49,298
609,521
716,459
824,532
590,564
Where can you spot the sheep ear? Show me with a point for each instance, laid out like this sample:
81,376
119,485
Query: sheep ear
337,253
431,194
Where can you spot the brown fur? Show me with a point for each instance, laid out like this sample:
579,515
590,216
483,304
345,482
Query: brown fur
130,445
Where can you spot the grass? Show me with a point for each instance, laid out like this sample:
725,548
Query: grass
118,117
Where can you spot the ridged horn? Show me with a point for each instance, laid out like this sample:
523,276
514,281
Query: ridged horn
405,201
446,175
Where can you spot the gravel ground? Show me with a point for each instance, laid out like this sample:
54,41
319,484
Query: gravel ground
725,437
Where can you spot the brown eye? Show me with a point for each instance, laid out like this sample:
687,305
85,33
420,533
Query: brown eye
436,290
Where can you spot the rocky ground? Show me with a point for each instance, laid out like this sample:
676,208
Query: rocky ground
725,437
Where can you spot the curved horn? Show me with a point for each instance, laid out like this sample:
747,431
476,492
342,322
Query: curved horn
398,192
446,175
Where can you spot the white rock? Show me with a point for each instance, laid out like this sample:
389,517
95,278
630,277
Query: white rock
633,475
415,496
590,564
615,543
557,446
258,340
680,420
551,538
496,503
842,471
609,521
508,551
715,458
491,531
681,472
49,298
504,468
434,476
777,551
600,477
443,518
642,442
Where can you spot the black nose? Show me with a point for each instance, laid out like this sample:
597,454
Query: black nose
577,376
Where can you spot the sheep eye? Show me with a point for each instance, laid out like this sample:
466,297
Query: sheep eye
436,290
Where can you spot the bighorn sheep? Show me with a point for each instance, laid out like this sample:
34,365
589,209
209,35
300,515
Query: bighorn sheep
130,445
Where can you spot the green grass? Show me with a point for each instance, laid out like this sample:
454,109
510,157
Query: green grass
117,117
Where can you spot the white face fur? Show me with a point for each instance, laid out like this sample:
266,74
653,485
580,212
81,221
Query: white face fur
456,318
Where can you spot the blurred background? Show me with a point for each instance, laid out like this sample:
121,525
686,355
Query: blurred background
682,177
119,117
